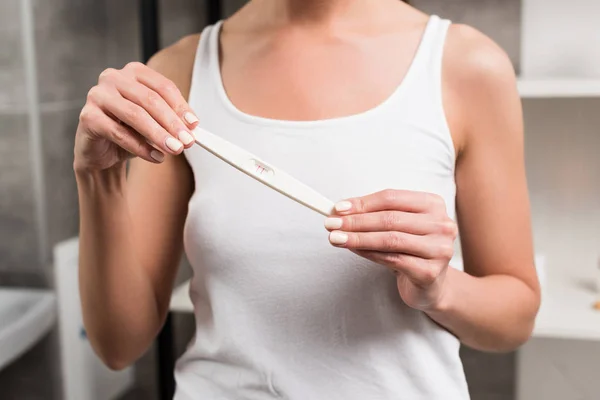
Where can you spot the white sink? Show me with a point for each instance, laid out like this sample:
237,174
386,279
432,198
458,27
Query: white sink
26,315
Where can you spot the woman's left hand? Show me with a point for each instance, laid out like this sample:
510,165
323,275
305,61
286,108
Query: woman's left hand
408,232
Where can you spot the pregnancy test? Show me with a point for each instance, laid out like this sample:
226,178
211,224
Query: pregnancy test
267,174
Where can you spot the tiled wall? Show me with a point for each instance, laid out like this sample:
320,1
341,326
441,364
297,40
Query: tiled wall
17,236
76,39
19,257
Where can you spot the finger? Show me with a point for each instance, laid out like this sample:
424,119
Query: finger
385,221
136,118
390,242
156,106
393,200
123,136
421,272
167,89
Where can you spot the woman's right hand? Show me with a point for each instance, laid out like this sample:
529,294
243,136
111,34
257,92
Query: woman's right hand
134,111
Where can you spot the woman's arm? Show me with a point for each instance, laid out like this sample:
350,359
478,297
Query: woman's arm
131,235
130,246
492,305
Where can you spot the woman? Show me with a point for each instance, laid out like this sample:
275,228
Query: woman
402,117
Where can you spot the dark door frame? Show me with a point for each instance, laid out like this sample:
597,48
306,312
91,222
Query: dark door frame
150,31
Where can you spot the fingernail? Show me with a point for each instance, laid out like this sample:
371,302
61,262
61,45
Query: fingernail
157,155
338,238
333,223
190,118
185,137
174,144
343,206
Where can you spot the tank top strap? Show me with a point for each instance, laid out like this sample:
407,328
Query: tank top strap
432,54
431,49
202,79
427,63
422,81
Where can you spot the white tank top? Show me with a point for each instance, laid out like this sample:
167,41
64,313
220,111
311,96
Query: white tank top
280,313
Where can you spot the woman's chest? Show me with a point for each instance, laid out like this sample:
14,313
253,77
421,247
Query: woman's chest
305,79
231,207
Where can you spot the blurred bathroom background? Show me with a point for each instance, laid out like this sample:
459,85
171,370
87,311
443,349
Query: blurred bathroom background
51,52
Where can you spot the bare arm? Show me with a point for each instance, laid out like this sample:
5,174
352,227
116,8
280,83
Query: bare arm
493,305
131,227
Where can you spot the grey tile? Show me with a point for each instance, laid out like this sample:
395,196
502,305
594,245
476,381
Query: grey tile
18,240
180,18
124,43
146,387
16,278
71,44
75,14
177,19
45,11
31,377
499,19
12,77
490,373
231,6
483,395
139,394
77,39
9,14
58,137
184,326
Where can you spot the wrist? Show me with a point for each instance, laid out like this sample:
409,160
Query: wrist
447,299
109,180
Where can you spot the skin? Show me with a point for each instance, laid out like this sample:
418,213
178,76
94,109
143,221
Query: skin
131,230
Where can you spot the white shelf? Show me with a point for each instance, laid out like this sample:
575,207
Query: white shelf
557,88
567,312
180,300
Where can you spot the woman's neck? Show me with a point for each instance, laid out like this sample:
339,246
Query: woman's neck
320,12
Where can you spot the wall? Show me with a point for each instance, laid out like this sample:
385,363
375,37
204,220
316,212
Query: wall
75,40
22,258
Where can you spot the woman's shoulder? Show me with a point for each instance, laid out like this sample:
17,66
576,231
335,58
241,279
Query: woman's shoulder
176,62
471,54
479,80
